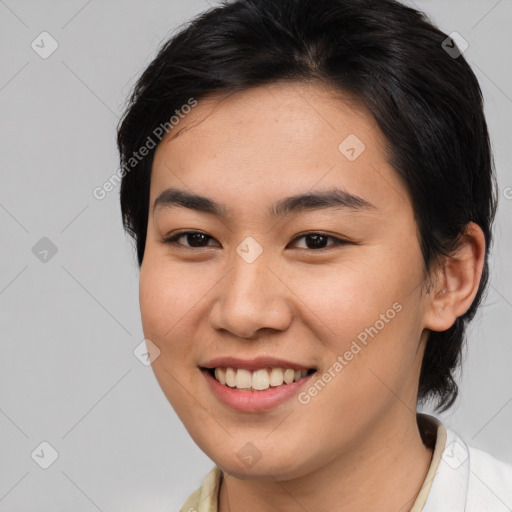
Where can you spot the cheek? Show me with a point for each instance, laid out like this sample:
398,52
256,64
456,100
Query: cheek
166,294
361,382
157,302
342,300
164,307
164,304
367,320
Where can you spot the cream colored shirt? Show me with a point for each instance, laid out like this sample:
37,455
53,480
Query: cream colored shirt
459,479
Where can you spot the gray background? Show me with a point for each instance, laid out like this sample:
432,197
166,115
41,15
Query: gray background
68,375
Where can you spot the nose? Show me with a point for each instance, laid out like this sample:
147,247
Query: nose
251,298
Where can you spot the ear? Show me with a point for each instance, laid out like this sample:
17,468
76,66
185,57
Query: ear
457,281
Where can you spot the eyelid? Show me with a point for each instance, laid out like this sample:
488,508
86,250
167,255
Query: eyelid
337,240
172,240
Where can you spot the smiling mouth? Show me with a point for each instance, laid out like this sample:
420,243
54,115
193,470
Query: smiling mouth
257,380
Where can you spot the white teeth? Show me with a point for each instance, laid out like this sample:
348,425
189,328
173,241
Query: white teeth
289,375
243,379
259,379
220,375
276,377
230,377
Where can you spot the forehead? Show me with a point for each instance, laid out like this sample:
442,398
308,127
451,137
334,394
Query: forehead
282,139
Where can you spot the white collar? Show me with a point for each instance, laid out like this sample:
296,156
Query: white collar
469,480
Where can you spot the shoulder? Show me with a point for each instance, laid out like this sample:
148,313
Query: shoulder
484,483
466,478
490,482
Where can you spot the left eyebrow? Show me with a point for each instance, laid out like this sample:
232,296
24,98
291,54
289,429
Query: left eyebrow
336,198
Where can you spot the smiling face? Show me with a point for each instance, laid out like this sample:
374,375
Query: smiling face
331,284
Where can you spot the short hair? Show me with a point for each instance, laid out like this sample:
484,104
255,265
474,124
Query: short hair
394,62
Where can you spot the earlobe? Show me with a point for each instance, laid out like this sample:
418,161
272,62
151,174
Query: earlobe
458,281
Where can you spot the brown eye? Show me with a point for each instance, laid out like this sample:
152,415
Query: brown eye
194,239
317,241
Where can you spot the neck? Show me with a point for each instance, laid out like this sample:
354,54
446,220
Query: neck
384,472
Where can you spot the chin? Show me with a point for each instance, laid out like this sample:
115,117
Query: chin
268,471
250,463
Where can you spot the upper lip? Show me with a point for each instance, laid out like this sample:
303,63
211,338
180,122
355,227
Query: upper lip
252,364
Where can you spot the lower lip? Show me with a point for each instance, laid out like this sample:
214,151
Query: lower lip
254,401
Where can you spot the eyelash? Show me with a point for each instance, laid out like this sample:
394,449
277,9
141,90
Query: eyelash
172,240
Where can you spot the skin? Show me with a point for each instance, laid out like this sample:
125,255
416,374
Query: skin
355,446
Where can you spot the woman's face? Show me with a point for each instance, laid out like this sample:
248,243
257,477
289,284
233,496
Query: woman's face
272,289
